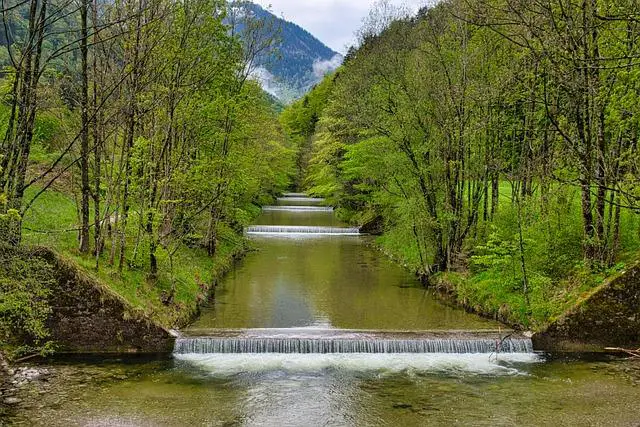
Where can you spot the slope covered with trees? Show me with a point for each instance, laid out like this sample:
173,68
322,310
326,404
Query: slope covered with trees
299,60
134,141
495,144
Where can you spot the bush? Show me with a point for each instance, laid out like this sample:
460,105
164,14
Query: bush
25,284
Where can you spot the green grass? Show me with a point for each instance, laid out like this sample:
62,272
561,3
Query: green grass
489,279
52,221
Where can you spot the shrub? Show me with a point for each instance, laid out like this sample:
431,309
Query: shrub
25,284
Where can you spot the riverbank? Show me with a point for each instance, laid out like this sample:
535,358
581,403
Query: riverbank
449,287
55,302
186,273
594,311
80,313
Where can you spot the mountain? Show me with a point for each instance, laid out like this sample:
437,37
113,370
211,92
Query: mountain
299,62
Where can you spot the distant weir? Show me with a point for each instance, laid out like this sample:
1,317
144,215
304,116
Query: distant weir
294,194
319,345
295,229
301,199
298,208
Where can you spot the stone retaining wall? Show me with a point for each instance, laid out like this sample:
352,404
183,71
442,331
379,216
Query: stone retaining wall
608,317
87,317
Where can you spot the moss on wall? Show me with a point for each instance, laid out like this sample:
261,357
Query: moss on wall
608,317
87,317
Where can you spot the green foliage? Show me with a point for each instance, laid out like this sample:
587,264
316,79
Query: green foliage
190,268
495,253
469,144
179,156
24,308
300,122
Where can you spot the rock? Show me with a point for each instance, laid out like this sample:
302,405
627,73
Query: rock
402,405
12,400
31,374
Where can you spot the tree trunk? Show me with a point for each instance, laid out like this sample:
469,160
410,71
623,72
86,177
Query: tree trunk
84,135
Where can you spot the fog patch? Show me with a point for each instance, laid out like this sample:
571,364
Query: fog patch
323,67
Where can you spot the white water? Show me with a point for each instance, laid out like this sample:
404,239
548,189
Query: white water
294,229
227,353
301,199
298,208
452,364
291,345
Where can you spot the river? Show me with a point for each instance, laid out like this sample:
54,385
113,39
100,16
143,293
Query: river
317,294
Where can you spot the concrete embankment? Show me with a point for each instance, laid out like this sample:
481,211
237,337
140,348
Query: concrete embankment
609,316
87,317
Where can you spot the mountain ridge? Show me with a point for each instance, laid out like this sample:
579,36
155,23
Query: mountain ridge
299,62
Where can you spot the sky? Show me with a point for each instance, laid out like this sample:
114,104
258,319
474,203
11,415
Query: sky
334,22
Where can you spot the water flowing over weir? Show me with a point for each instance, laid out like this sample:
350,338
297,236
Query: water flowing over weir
297,209
312,200
340,341
309,342
294,229
295,203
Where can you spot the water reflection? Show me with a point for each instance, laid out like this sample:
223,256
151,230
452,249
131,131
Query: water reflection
336,282
341,281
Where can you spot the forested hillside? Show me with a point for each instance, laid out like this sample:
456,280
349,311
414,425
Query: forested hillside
493,143
299,60
134,142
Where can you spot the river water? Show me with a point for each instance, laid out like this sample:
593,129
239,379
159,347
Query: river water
318,283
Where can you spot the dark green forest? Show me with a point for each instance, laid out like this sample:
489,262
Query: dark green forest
292,63
493,145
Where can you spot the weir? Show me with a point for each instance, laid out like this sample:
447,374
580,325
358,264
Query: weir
295,341
295,229
311,340
298,208
301,199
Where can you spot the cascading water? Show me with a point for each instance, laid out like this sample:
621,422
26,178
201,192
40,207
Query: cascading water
301,199
314,347
320,345
294,229
297,209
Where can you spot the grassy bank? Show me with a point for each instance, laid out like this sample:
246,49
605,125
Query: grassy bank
487,277
189,270
187,273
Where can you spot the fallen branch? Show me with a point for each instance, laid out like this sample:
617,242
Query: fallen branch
25,358
635,354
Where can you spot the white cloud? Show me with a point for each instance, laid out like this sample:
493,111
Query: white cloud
272,85
266,80
320,68
334,22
